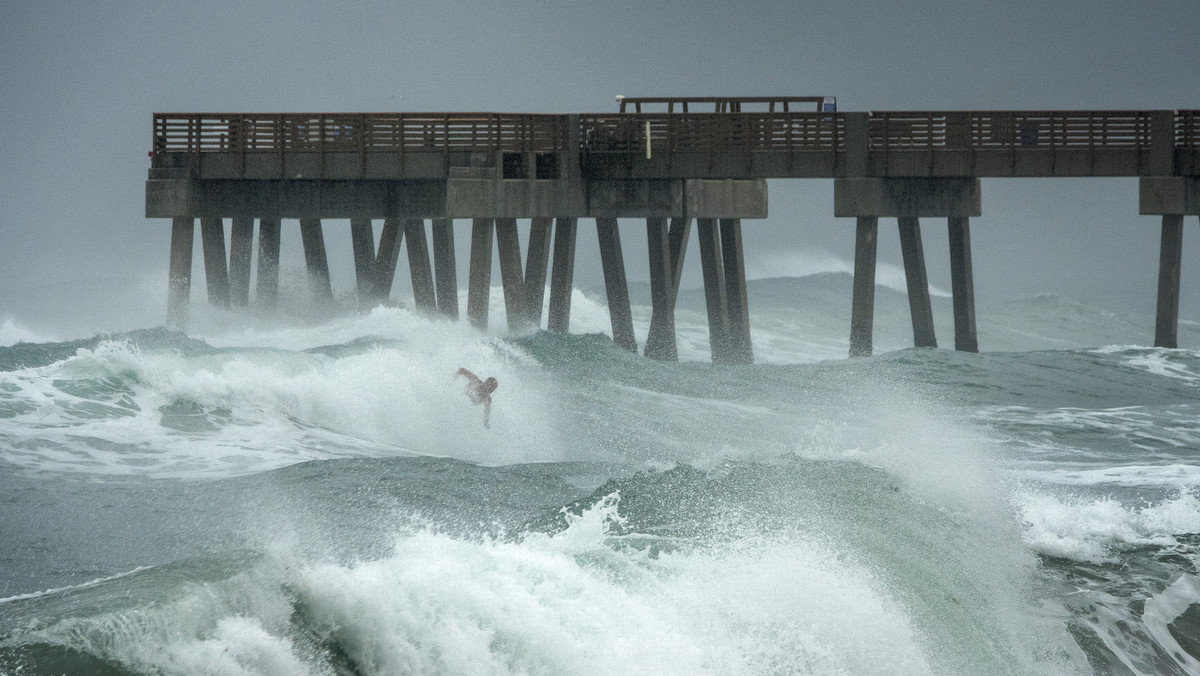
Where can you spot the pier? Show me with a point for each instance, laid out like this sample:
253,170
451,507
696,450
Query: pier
673,162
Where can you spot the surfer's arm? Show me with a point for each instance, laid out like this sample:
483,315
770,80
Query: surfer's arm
470,376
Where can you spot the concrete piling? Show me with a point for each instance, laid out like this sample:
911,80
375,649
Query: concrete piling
738,320
536,259
479,277
917,281
714,288
313,239
962,284
179,275
241,243
508,248
660,343
1169,267
668,247
216,274
267,289
615,286
446,286
862,312
424,296
387,257
362,239
562,275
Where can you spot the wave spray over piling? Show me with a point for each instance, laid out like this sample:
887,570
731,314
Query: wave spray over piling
323,499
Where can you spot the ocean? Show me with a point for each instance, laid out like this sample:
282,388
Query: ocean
269,496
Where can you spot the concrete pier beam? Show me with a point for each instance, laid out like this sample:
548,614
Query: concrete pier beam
962,285
267,293
387,257
737,306
445,277
241,244
508,246
535,269
479,277
216,274
562,275
313,239
362,239
615,286
1166,324
714,288
917,281
424,296
862,310
179,275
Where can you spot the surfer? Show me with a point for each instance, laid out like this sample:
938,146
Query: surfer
480,391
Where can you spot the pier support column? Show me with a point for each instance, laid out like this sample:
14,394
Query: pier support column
1171,197
908,200
444,274
179,276
615,286
659,345
479,278
667,249
424,296
508,247
714,288
267,294
386,258
917,281
216,274
738,318
241,244
562,275
962,284
1170,256
315,259
362,238
862,312
535,269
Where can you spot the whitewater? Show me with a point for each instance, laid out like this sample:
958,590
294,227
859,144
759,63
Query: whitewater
261,496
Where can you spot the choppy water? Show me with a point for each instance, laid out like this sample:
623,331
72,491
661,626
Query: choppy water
323,499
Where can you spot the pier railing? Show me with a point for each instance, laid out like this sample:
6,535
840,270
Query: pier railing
910,130
724,144
362,132
709,132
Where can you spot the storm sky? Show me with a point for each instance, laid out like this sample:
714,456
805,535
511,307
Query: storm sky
81,80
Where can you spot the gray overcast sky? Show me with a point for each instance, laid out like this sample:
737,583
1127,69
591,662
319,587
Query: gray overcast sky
80,81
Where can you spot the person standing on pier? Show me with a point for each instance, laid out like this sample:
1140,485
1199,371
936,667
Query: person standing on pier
480,392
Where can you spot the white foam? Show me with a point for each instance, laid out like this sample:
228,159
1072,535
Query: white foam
271,408
1160,361
76,587
571,603
575,602
1173,475
1157,433
1161,610
1092,529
